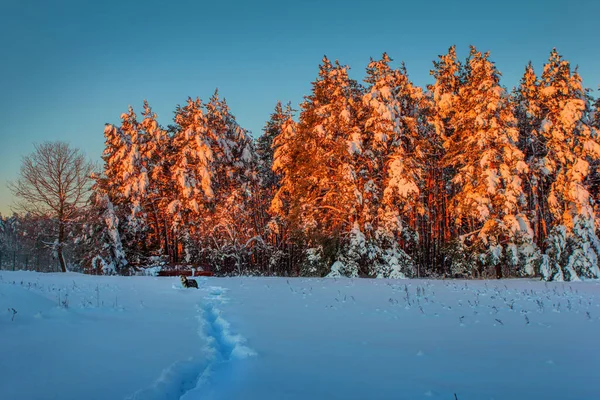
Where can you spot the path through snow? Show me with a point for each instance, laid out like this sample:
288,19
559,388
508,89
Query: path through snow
186,379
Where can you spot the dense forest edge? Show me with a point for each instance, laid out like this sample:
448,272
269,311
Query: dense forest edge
461,179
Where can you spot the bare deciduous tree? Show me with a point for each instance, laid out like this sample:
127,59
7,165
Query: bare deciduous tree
54,182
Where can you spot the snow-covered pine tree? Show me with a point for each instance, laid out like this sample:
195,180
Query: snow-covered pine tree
570,146
437,111
448,74
273,229
233,229
156,159
321,182
192,172
388,172
488,201
112,182
116,147
596,115
99,248
594,175
134,174
288,152
526,99
264,144
127,182
233,153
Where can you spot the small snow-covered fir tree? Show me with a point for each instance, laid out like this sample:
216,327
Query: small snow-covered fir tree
99,246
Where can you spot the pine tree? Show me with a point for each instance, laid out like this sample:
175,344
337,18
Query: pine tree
483,150
273,229
116,146
100,250
529,119
594,175
264,144
127,168
571,146
233,227
447,73
134,174
320,182
388,169
156,154
438,109
192,173
286,152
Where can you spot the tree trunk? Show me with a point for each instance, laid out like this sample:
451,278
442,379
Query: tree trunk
59,250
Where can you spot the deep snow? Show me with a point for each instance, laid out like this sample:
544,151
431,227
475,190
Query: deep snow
277,338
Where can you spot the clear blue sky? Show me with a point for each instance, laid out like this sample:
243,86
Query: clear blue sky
68,67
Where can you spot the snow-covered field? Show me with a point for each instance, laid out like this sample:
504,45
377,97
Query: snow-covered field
84,337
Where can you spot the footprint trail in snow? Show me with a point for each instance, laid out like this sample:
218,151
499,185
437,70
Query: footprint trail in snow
185,379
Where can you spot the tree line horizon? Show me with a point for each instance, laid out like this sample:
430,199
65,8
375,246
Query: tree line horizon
461,178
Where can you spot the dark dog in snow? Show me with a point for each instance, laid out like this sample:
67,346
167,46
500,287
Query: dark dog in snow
188,283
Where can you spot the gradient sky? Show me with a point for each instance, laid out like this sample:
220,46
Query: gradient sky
68,67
